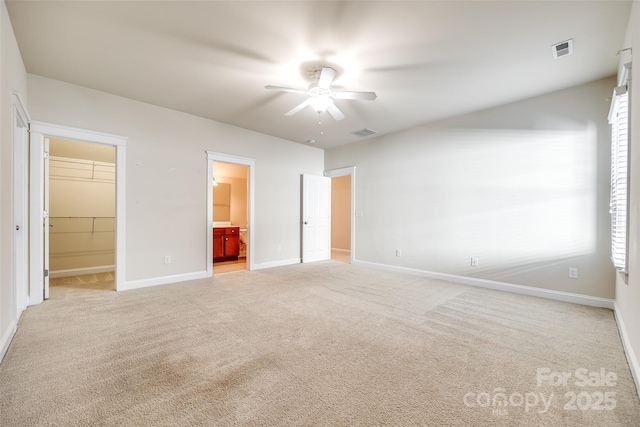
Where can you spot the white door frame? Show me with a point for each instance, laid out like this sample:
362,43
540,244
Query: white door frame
235,160
40,131
344,172
20,204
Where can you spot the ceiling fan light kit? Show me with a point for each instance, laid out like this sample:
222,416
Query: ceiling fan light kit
321,96
320,103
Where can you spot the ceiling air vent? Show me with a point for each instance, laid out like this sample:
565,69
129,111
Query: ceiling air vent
562,49
364,132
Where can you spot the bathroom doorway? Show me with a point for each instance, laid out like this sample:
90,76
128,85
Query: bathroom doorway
230,214
229,217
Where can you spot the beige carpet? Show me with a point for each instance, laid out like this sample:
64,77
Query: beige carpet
324,344
87,284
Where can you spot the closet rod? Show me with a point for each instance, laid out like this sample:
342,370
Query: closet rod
93,218
82,217
81,161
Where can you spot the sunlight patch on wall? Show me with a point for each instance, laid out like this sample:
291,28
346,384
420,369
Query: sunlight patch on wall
538,195
513,196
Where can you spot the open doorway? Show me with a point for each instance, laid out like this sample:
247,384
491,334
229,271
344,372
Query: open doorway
40,136
341,218
82,211
230,217
343,213
250,165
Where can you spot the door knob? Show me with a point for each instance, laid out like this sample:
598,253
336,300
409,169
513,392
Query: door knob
51,225
305,223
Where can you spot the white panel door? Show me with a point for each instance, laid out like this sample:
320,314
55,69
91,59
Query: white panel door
20,206
316,218
46,223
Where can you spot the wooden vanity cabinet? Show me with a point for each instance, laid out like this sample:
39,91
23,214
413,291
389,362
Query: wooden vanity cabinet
226,243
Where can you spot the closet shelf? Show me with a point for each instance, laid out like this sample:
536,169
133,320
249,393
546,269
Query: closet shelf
91,169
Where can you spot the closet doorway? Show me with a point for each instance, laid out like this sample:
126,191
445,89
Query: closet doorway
82,217
40,135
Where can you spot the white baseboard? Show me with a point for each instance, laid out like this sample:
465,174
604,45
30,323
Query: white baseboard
628,349
274,264
164,280
82,271
341,251
499,286
6,339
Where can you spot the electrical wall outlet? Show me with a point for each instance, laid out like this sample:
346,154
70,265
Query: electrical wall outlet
279,248
398,252
573,273
167,259
474,262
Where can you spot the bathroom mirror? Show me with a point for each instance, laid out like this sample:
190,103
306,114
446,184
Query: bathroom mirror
222,202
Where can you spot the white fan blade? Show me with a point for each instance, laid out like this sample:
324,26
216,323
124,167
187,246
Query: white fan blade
367,96
326,77
285,89
299,107
335,112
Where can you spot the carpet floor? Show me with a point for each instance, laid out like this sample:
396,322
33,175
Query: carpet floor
322,344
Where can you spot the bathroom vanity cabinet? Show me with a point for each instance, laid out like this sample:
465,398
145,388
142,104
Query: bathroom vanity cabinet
226,243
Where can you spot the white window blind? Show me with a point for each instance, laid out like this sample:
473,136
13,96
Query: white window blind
619,120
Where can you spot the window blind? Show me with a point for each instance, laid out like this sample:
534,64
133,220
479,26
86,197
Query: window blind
619,120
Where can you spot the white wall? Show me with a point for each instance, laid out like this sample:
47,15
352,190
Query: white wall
628,293
523,187
12,79
167,176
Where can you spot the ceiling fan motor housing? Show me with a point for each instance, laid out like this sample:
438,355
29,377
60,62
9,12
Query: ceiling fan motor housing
321,96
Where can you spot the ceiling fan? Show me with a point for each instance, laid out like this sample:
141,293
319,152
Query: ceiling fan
321,96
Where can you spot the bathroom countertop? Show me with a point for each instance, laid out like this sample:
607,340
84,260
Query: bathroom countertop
222,224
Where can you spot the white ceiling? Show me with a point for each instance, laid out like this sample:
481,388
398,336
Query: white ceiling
426,60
